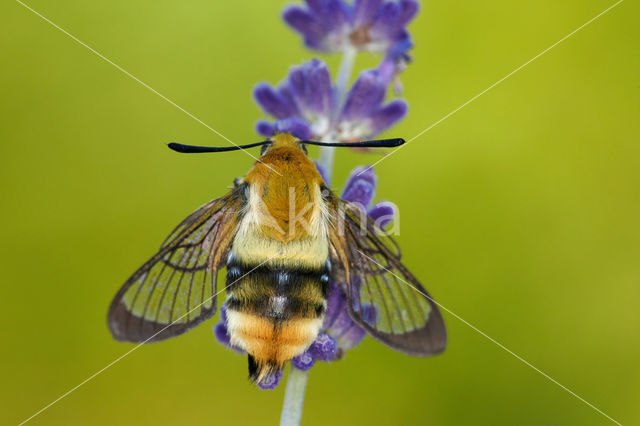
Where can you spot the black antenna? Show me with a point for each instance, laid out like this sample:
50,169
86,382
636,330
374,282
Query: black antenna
379,143
190,149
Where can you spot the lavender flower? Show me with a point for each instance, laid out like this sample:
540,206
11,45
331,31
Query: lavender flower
309,105
222,333
271,381
304,104
364,25
304,362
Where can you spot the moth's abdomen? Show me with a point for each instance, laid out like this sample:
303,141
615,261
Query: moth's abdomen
274,314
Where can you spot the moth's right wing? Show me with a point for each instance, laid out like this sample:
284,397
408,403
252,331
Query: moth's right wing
176,289
383,297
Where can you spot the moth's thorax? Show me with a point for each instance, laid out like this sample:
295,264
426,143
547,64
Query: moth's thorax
286,216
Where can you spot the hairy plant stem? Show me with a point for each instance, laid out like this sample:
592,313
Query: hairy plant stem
297,380
342,82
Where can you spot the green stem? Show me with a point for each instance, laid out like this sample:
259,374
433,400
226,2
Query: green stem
294,397
342,82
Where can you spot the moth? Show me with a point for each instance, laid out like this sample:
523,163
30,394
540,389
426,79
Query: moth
282,236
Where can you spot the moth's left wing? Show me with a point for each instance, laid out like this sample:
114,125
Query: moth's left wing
383,296
176,289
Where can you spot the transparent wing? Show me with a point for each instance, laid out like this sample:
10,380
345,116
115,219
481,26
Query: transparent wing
175,290
383,296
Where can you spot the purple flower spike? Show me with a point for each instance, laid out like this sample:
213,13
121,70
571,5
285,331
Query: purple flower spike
304,362
312,106
324,348
336,305
360,187
332,14
301,104
365,11
388,115
382,213
365,96
364,115
351,337
303,22
368,25
338,322
271,381
295,126
391,23
223,313
265,128
322,172
399,51
273,102
222,333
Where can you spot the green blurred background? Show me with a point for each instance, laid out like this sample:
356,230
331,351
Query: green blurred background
520,213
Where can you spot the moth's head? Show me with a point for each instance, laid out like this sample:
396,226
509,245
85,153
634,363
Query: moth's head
282,141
